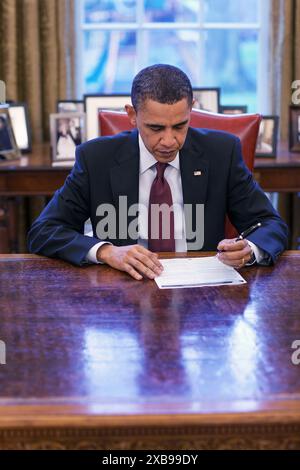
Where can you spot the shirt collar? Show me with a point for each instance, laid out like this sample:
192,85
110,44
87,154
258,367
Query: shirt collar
147,160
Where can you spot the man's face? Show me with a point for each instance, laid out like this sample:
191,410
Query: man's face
163,127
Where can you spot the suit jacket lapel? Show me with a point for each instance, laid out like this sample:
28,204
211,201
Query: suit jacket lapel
194,177
194,167
124,177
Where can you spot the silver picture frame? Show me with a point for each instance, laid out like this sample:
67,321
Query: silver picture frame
67,131
207,99
9,149
266,145
234,109
92,105
19,116
70,106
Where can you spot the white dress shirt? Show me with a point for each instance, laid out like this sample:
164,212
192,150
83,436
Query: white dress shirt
173,177
146,176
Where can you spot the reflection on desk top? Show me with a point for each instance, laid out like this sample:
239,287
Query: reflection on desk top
40,159
92,340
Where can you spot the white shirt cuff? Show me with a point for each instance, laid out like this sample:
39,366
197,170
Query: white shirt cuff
258,253
91,256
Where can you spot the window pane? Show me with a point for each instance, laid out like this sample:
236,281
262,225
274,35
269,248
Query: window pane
179,48
232,65
109,61
104,11
233,11
171,10
212,57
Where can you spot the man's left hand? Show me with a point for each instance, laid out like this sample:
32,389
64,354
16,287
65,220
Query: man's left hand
234,253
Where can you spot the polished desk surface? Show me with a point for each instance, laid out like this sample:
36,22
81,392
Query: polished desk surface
90,348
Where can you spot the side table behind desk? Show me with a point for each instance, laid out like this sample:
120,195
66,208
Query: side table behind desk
282,175
32,175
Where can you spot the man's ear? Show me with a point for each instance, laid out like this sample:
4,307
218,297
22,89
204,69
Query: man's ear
131,114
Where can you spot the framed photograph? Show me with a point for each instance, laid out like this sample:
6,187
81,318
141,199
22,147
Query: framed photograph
67,131
266,145
70,106
18,113
234,109
93,103
8,146
294,129
207,99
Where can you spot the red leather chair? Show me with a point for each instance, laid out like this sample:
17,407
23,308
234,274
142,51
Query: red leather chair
244,126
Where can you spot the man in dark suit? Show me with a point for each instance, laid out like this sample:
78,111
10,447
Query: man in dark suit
200,173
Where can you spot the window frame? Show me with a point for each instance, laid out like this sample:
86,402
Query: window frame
261,27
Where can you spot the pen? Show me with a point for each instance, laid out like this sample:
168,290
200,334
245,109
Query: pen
248,231
245,233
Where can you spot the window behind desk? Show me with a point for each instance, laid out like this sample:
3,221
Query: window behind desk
218,43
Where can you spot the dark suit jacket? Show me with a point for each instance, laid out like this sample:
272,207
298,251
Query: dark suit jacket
108,167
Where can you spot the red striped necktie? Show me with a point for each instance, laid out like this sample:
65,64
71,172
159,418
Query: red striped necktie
160,222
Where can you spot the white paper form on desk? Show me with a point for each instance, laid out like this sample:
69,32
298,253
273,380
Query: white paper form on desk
196,272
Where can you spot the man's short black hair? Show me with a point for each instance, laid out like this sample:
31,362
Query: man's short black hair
162,83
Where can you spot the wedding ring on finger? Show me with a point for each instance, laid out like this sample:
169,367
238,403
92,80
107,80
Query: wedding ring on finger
239,266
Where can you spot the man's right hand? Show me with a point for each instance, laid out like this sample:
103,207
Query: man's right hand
134,259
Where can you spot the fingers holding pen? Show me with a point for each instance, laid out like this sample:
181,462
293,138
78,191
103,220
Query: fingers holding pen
234,253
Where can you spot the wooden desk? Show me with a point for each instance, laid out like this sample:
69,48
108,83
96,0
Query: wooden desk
33,175
97,360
